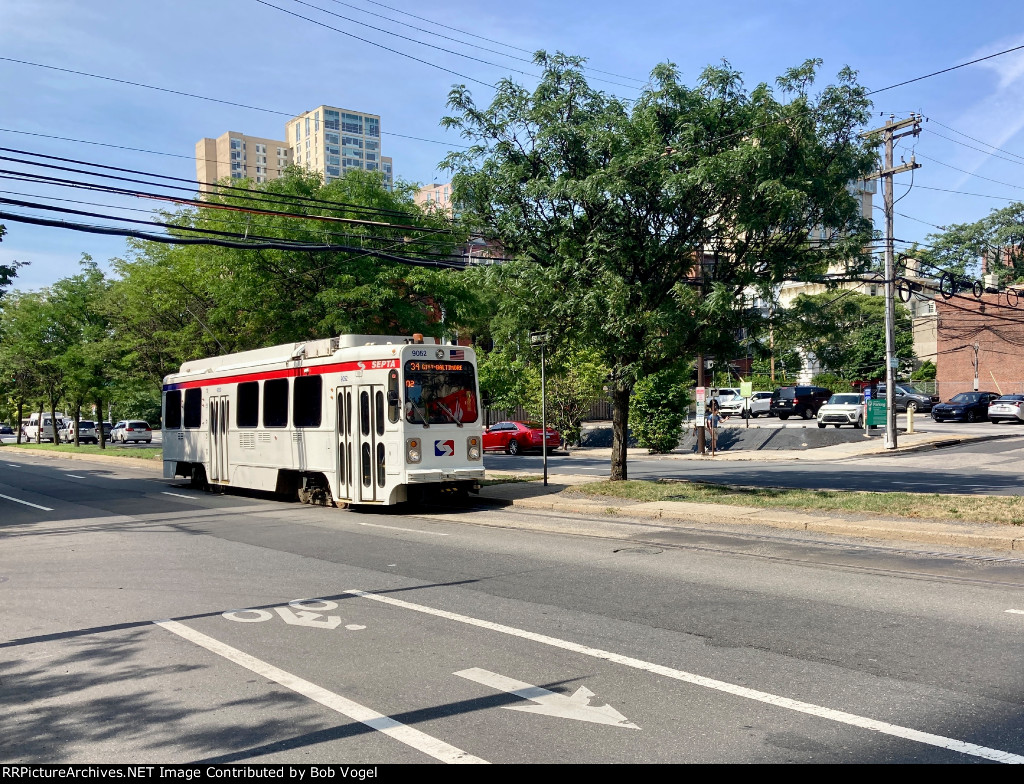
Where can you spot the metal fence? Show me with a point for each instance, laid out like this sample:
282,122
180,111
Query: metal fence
599,410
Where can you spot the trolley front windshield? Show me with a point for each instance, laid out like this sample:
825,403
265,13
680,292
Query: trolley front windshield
441,392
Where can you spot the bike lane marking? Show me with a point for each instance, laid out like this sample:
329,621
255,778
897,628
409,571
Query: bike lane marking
895,730
414,738
26,503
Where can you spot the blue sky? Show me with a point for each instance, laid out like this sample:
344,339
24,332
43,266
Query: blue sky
250,53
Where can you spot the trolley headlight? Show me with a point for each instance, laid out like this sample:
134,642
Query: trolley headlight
473,448
412,450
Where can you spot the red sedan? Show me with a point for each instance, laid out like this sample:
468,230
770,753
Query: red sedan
516,437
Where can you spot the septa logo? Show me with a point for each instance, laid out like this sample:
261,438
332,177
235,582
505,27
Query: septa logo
444,448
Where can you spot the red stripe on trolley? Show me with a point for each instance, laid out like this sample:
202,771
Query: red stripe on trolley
265,375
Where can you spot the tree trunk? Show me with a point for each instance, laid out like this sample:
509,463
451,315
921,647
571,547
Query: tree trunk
99,424
620,431
39,424
78,418
21,413
53,419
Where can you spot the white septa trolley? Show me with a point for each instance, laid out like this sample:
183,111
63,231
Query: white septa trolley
360,419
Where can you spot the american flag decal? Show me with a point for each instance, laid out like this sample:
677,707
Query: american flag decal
457,353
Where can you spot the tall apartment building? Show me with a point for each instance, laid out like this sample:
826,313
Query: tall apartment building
328,140
238,156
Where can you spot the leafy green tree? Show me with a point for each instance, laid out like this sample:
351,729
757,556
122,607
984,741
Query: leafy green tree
999,236
659,408
185,301
925,372
637,228
846,332
7,271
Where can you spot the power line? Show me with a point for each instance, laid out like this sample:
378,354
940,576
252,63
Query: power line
282,197
379,46
946,70
979,141
972,147
289,115
470,43
270,244
972,174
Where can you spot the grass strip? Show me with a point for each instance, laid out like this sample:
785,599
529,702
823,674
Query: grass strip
93,449
1005,510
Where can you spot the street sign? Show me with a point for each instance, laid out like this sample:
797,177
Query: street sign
699,394
700,410
746,388
894,362
876,412
538,338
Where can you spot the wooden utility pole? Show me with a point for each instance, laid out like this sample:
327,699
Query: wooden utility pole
886,174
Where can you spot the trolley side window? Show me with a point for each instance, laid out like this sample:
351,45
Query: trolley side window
248,407
307,401
193,408
275,403
394,399
172,410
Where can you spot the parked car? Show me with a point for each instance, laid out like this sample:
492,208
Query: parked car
6,430
516,437
803,401
966,407
46,432
760,403
107,427
1007,407
731,405
722,394
845,408
909,398
86,432
131,430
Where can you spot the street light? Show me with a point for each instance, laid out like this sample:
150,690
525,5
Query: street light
477,242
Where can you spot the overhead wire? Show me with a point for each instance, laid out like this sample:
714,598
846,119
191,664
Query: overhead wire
947,70
423,43
290,115
467,43
379,46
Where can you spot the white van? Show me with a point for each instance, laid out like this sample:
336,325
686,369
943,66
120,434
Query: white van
32,428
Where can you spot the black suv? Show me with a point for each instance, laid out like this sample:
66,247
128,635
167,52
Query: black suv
909,398
798,401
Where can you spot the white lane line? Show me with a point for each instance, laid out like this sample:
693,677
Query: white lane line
179,495
19,501
75,476
13,465
418,740
410,530
842,717
1016,612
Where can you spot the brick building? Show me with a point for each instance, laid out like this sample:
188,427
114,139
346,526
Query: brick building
987,330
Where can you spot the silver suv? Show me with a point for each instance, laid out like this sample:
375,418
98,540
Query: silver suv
907,398
86,432
131,430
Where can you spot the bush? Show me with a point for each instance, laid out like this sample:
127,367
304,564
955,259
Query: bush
658,409
924,373
832,381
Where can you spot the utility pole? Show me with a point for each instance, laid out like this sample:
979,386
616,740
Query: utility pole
886,174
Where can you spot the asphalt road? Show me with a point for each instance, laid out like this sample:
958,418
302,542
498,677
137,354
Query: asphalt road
144,622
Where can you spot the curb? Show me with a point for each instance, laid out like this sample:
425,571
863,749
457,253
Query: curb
134,462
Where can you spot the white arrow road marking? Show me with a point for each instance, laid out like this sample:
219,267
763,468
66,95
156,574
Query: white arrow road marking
1016,612
548,702
307,618
19,501
429,745
842,717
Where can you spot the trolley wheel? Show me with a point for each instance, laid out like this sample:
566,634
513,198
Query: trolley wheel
197,480
513,447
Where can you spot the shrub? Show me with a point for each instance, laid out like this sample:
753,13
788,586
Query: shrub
832,381
658,409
